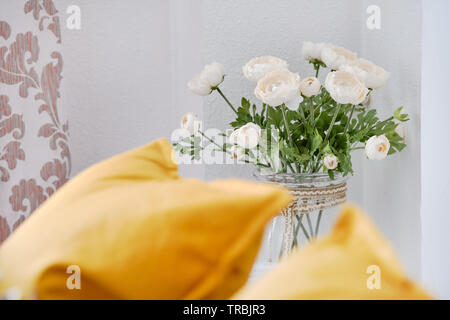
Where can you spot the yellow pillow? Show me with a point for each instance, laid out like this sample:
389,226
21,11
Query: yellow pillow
353,262
138,231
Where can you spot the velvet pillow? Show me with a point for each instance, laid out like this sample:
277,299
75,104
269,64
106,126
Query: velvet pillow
352,262
135,230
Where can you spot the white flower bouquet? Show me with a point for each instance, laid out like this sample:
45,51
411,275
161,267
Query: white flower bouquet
302,126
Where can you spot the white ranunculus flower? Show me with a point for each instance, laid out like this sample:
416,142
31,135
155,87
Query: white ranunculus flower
310,86
257,68
211,76
247,136
366,102
199,86
190,122
377,147
372,75
237,153
278,87
234,136
335,56
344,87
311,51
330,161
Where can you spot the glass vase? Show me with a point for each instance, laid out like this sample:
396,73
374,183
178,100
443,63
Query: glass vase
314,197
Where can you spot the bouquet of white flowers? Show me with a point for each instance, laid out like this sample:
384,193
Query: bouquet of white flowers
303,133
302,126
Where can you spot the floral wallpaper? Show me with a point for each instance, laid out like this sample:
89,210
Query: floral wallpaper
35,157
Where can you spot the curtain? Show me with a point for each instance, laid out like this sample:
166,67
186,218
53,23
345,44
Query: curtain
35,157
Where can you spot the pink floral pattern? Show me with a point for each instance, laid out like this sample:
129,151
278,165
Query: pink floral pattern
27,189
13,66
5,230
11,152
57,169
36,6
30,116
5,30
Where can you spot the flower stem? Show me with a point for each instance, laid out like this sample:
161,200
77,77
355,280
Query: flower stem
257,163
332,123
317,167
311,231
319,216
288,133
265,107
384,121
349,118
286,164
317,70
210,140
226,100
290,167
303,228
312,111
226,151
302,115
295,242
286,124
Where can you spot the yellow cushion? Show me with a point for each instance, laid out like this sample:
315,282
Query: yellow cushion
350,263
138,231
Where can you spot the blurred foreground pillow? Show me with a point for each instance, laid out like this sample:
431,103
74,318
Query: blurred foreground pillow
353,262
135,230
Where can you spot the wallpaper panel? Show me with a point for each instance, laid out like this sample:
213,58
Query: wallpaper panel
35,157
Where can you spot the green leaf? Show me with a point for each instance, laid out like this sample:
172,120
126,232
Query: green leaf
345,162
316,140
243,115
245,103
187,139
343,142
275,116
291,116
326,149
400,116
302,157
178,147
395,141
331,174
317,63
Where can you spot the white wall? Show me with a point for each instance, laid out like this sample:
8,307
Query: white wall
435,147
125,74
392,187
